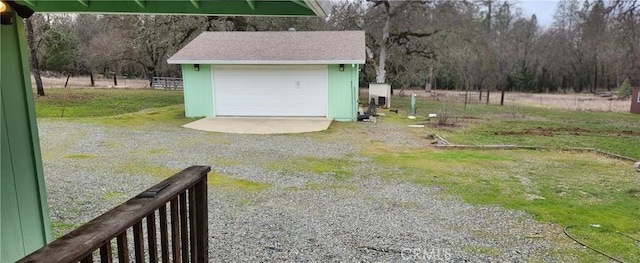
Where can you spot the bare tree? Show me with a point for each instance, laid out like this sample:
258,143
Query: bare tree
33,53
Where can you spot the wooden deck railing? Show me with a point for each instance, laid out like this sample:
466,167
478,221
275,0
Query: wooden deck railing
183,227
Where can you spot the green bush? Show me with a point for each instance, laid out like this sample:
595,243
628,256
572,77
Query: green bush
625,89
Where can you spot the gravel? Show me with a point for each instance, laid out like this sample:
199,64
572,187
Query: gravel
91,168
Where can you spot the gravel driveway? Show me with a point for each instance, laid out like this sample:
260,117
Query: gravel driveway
300,216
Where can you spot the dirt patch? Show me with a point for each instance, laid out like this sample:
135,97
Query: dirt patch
548,132
455,123
445,127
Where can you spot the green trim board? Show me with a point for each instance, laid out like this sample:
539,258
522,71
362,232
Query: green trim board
193,7
24,211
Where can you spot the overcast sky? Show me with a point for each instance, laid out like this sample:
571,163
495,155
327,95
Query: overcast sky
542,8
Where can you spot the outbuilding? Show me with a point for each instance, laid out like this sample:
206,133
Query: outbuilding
284,74
635,100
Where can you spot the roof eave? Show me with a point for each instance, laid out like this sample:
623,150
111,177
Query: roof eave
264,62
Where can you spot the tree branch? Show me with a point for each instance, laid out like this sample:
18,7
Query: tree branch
422,53
370,57
407,34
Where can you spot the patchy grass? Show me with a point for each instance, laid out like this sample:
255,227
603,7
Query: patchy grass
317,186
115,195
228,183
141,167
482,250
565,188
170,115
159,151
59,228
80,156
102,102
481,124
227,162
337,168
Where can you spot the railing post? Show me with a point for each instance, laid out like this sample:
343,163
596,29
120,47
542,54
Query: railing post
184,226
202,210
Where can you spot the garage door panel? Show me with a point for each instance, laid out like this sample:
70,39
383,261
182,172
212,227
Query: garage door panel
299,90
267,111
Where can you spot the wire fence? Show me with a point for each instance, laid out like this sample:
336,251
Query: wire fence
570,101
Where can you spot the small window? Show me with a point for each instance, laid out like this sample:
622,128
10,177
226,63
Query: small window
638,96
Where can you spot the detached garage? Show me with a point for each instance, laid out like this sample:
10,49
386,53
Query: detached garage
278,74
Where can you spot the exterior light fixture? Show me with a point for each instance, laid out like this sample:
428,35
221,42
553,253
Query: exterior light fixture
196,67
6,17
341,67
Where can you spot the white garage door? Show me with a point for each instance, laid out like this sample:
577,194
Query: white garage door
270,90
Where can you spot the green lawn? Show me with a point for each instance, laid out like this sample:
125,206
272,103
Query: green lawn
102,102
122,107
556,186
565,188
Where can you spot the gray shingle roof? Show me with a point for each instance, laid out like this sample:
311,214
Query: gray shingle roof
268,47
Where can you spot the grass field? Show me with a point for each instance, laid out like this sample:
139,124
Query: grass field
614,132
102,102
598,196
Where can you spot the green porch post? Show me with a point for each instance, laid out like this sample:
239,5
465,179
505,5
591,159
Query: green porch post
25,224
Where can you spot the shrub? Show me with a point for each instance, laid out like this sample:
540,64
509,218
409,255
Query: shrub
444,115
625,89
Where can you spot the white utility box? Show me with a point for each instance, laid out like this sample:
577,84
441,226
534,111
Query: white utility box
381,94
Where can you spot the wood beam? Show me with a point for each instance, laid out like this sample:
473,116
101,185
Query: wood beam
251,4
30,3
140,3
195,3
85,3
300,3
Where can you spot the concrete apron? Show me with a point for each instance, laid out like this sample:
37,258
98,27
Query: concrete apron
260,125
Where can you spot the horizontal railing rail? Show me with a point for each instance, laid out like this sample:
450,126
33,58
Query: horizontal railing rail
167,83
176,209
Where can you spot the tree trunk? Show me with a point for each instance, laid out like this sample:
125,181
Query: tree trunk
488,90
33,51
435,85
466,95
427,86
115,74
151,73
381,73
595,78
93,81
502,96
489,17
